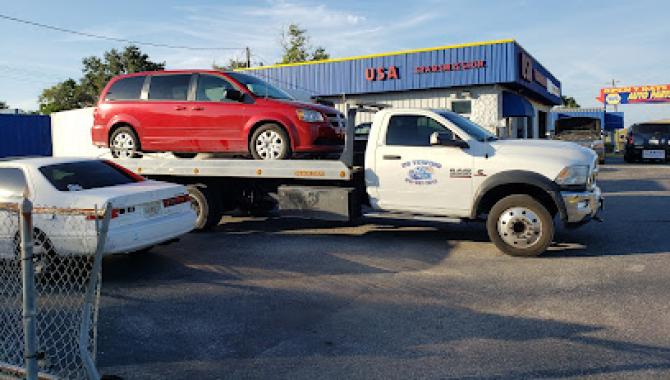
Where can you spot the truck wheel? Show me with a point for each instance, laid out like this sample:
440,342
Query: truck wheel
520,226
124,143
270,142
207,207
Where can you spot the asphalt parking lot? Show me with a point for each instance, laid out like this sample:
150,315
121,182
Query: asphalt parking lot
296,299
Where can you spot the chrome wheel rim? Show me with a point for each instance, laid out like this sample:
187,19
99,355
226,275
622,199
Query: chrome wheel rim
123,145
520,227
269,145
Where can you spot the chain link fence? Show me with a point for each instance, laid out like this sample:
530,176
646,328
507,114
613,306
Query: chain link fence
49,290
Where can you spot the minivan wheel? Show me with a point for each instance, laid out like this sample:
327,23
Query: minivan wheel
270,142
520,226
124,143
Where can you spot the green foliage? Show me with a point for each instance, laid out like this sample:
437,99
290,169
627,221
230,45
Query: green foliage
570,102
295,43
65,95
97,71
233,64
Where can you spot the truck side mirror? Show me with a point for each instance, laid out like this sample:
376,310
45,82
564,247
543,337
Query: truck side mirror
234,95
446,139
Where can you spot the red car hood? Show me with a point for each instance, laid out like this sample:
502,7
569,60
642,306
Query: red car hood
313,106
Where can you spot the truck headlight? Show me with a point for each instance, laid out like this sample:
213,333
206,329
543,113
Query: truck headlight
573,175
309,116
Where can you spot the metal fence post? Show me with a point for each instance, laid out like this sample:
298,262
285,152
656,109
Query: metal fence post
28,279
89,303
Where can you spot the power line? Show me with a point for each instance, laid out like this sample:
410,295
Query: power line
108,38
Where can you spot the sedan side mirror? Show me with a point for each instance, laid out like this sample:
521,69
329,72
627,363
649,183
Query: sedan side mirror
446,139
234,95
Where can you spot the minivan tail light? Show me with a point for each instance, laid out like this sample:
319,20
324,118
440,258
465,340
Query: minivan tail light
180,199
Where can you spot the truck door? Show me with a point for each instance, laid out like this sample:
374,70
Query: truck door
413,176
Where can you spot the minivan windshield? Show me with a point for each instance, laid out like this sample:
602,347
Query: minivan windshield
469,127
259,87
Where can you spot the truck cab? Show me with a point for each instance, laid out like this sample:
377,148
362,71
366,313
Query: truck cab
437,163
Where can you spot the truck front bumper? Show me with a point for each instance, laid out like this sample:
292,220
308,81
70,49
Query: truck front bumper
580,207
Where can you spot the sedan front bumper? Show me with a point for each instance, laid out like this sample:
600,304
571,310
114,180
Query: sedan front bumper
580,207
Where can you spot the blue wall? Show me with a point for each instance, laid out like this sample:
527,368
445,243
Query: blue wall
25,135
348,76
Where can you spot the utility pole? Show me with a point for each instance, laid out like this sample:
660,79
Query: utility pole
248,52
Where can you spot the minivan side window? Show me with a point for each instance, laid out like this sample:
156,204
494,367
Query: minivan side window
12,182
126,89
413,130
169,87
212,89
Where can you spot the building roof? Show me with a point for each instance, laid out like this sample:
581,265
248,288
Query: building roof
387,54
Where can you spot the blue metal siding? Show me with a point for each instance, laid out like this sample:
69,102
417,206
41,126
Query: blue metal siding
25,135
348,76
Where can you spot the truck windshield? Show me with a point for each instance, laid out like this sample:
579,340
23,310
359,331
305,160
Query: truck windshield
469,127
259,87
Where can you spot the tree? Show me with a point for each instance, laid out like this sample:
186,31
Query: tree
3,105
63,96
233,64
97,71
570,102
295,43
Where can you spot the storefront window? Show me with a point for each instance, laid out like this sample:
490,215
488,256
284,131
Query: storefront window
462,107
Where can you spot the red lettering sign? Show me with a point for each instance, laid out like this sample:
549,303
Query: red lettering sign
455,66
381,73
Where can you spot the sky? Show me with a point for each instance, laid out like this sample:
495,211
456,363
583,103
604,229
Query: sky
585,44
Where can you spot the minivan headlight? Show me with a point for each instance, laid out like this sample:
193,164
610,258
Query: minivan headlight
573,175
309,116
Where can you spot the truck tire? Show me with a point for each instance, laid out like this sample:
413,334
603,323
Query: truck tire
520,226
207,206
124,143
270,142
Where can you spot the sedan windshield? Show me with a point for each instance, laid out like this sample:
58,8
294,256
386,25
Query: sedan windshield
85,175
259,87
467,126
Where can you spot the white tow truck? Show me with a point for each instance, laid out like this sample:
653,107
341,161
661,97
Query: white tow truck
418,164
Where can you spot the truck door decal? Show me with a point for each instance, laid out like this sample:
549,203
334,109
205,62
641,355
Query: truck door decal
421,172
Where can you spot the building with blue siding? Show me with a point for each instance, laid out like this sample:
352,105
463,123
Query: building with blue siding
497,84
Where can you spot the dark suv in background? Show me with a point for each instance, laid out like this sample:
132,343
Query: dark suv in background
648,141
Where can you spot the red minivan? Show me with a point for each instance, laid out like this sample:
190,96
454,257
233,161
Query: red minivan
202,111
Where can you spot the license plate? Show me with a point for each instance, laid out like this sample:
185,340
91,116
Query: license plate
152,209
653,153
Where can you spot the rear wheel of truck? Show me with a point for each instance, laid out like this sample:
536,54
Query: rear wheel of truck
520,226
270,142
207,207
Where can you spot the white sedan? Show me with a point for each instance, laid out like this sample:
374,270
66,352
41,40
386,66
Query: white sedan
66,191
